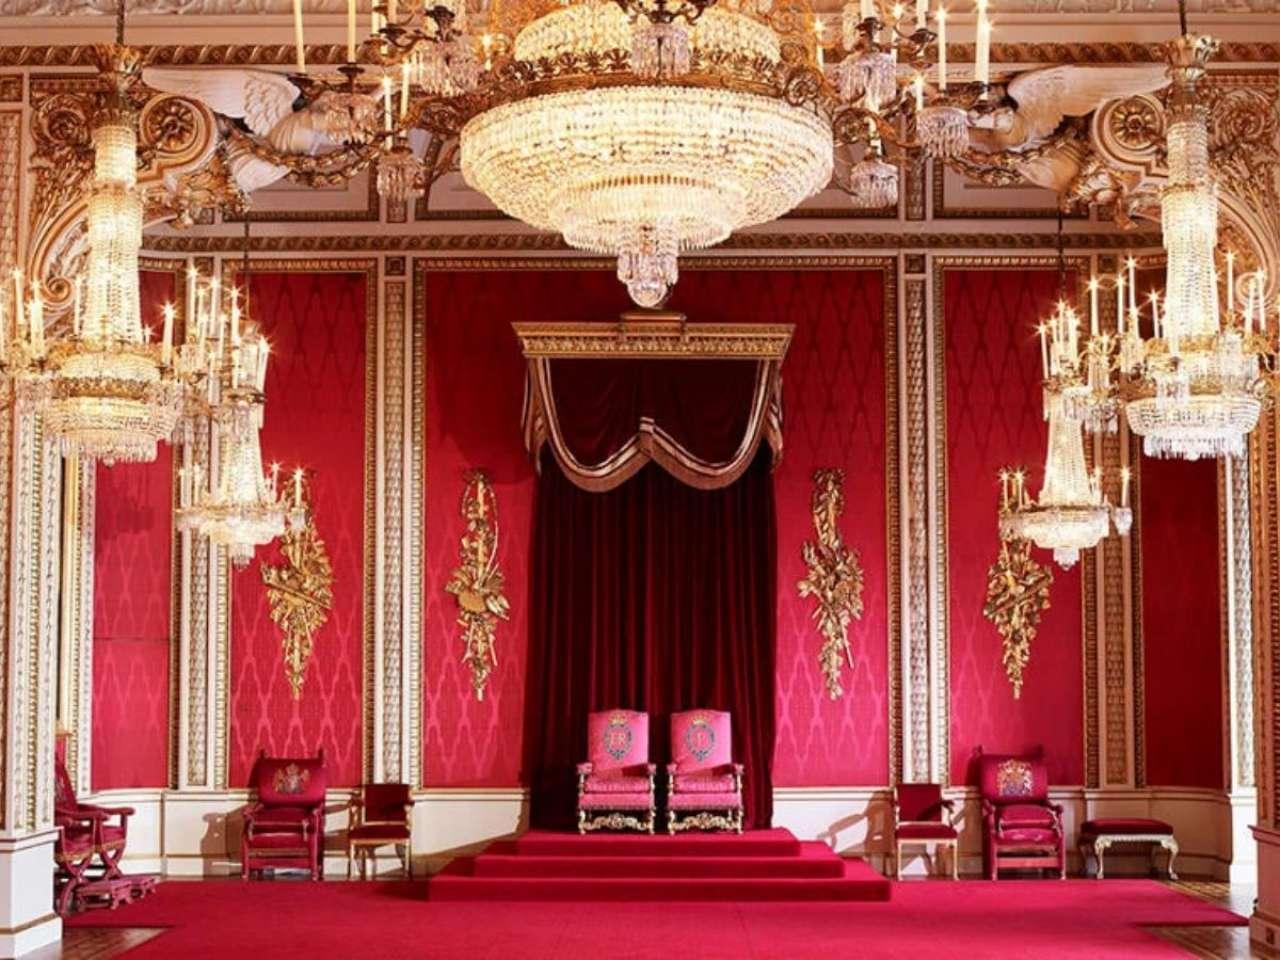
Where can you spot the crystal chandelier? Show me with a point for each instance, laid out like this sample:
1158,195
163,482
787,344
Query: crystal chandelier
1192,390
641,129
241,507
105,389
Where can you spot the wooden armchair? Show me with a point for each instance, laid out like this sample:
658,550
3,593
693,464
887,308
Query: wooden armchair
381,815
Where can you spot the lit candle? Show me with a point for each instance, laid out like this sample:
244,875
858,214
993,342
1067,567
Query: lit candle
166,345
297,488
486,45
1124,487
297,36
1231,281
1120,302
1155,314
1133,284
922,12
918,83
1004,489
375,21
1044,351
351,31
942,49
1093,306
818,51
982,55
386,103
275,480
404,90
866,10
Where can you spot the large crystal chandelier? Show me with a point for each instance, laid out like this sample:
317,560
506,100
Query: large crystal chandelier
240,507
1072,513
106,389
641,129
1192,388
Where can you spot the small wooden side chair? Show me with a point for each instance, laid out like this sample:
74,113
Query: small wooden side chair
381,815
918,819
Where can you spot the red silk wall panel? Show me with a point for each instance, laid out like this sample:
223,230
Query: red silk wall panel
994,419
132,599
834,408
1181,625
315,417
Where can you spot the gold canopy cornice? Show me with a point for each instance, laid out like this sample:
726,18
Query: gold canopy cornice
655,336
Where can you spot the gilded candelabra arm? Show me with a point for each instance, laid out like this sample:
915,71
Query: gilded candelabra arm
477,583
834,578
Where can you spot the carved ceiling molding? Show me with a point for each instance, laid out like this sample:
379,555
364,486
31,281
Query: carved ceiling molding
221,54
1244,137
546,243
177,138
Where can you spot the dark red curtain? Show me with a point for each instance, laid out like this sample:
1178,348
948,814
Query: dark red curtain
652,596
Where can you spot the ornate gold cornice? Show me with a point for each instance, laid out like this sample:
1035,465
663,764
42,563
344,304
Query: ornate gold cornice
659,335
222,54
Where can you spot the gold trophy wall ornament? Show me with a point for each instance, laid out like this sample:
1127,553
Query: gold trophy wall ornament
300,590
834,578
477,582
1017,597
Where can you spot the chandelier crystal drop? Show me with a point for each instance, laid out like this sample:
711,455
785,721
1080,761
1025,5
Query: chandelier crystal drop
106,391
401,175
873,184
943,131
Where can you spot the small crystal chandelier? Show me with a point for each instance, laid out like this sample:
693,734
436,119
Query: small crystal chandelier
105,390
241,508
1192,390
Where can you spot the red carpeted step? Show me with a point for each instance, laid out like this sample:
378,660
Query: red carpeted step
753,843
856,882
815,860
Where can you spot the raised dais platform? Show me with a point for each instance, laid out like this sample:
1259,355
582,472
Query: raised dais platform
758,865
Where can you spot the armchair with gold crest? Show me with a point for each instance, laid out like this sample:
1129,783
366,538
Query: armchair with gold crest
284,826
1021,826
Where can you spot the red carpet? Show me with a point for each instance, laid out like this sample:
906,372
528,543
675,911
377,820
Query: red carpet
287,920
756,866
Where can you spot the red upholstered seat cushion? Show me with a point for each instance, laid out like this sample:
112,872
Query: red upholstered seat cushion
76,841
1016,815
294,817
616,801
390,832
1026,837
1123,825
925,831
615,782
705,801
709,782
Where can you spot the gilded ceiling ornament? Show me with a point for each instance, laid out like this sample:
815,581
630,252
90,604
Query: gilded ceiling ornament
300,593
1017,597
834,578
477,583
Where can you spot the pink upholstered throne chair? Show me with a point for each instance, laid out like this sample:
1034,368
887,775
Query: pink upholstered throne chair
923,817
704,785
284,826
1021,827
615,784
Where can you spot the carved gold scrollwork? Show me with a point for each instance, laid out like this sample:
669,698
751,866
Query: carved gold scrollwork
1017,597
834,579
300,594
476,582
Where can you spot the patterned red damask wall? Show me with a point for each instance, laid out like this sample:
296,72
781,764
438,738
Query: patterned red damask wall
834,408
1181,625
132,597
315,417
993,419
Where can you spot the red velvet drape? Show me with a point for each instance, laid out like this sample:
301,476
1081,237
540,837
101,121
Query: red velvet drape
653,596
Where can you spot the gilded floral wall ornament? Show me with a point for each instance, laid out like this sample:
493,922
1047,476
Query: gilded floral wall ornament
300,594
1017,597
477,583
834,578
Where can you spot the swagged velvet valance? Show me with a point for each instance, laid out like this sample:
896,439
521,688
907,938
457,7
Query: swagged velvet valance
696,399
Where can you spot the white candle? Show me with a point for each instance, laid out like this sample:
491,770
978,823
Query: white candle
166,345
942,48
982,55
918,83
1155,314
866,10
297,488
1124,487
37,319
922,12
1044,351
375,22
18,294
404,89
817,43
1004,489
1231,281
297,36
386,103
1133,285
1120,302
275,480
351,31
1093,306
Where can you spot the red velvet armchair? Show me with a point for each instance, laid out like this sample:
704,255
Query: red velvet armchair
704,785
918,821
284,826
1021,827
381,816
615,785
87,834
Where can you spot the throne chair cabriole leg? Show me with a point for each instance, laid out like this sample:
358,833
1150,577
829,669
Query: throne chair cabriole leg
1171,846
1099,851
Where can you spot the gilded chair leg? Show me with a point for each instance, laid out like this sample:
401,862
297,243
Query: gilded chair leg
897,861
955,860
671,821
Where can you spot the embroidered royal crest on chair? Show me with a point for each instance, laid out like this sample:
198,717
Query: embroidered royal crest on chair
291,779
700,738
1013,779
618,736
